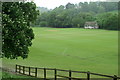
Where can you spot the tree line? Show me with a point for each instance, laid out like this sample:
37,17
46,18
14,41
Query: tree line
75,15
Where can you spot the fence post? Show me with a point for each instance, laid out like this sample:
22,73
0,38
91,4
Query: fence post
16,68
70,74
23,69
55,74
44,73
88,75
35,72
29,71
115,77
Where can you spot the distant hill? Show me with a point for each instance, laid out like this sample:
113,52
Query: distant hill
42,9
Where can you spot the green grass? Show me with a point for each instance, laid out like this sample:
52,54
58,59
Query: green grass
10,75
72,48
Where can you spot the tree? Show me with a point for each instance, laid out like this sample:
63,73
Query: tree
69,6
85,7
109,6
52,19
101,9
75,15
80,19
42,20
93,7
17,33
108,20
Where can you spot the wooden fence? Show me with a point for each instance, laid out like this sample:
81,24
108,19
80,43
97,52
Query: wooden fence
33,71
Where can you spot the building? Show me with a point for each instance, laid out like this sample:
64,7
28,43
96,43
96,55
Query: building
91,25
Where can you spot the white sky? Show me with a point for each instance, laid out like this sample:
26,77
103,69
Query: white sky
51,4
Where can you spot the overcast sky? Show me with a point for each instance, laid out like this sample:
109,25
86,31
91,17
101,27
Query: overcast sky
51,4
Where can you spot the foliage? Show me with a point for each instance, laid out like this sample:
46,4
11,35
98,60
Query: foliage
17,33
8,75
108,20
75,15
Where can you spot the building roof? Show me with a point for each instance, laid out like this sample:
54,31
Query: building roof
92,23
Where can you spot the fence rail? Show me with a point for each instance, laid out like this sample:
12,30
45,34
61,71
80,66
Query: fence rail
33,71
